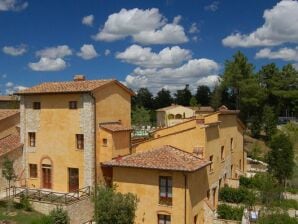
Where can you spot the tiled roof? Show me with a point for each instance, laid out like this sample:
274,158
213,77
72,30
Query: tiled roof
164,158
69,87
224,110
169,107
203,109
5,113
9,143
8,98
114,126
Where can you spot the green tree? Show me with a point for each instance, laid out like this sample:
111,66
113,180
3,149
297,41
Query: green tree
143,98
281,157
216,97
163,99
203,95
269,121
140,116
59,216
9,174
183,96
193,101
112,207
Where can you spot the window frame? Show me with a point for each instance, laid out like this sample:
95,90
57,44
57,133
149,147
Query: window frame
31,165
167,199
222,153
36,105
105,142
80,141
32,139
211,168
73,105
163,219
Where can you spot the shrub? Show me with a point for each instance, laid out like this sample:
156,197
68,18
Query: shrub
277,218
286,204
246,182
59,216
25,203
236,195
228,212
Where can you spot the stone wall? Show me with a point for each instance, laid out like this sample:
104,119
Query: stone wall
225,221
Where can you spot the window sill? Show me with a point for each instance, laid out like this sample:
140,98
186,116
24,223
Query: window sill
33,178
166,206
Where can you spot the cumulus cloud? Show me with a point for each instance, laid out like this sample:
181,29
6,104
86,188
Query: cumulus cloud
107,52
48,64
88,20
144,26
15,51
13,5
280,27
286,54
212,7
193,28
191,73
144,57
12,88
295,66
51,59
87,52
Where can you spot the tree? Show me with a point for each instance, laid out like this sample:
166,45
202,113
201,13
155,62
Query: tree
203,95
269,121
143,98
112,207
183,96
163,99
193,101
9,174
140,116
281,157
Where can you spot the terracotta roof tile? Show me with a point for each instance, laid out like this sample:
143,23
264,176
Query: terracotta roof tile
169,107
164,158
114,126
5,113
9,143
203,109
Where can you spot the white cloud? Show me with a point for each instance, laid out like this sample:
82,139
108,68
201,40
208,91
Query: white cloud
286,54
15,51
144,57
13,5
88,20
280,27
296,66
210,81
173,78
107,52
177,19
87,52
212,7
48,64
12,88
193,28
144,26
55,52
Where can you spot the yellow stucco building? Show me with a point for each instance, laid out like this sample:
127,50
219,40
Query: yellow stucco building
68,128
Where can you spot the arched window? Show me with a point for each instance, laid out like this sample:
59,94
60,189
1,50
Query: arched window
178,116
171,116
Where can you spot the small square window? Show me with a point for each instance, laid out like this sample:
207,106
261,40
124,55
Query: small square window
232,144
105,141
211,164
164,219
80,141
222,153
73,105
33,170
36,105
32,139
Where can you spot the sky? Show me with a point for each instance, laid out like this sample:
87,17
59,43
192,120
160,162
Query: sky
154,44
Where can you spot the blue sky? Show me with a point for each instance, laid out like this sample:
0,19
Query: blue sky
152,44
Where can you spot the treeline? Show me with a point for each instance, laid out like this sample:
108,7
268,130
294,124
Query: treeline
261,96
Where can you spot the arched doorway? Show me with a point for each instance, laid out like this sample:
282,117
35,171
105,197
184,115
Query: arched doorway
46,173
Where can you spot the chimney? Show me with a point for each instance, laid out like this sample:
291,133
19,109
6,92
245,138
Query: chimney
78,78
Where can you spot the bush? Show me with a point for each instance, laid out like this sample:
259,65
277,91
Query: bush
25,203
286,204
58,215
246,182
228,212
277,218
236,195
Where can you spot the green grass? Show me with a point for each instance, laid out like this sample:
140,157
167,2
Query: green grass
21,217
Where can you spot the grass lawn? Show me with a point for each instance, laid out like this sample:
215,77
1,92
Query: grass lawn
21,217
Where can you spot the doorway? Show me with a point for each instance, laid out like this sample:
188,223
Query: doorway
47,176
73,179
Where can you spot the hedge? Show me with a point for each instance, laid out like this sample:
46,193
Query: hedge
228,212
236,195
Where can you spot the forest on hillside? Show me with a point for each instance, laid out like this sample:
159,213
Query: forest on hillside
261,96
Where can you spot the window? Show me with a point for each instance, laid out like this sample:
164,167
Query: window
165,190
208,195
232,144
36,105
80,141
164,219
240,164
211,164
32,141
105,141
73,105
222,153
195,219
33,170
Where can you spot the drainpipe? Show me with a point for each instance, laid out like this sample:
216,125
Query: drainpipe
185,197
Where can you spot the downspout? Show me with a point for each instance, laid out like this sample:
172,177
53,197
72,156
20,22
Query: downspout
185,197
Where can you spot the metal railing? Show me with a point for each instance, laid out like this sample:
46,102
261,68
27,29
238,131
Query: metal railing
50,196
